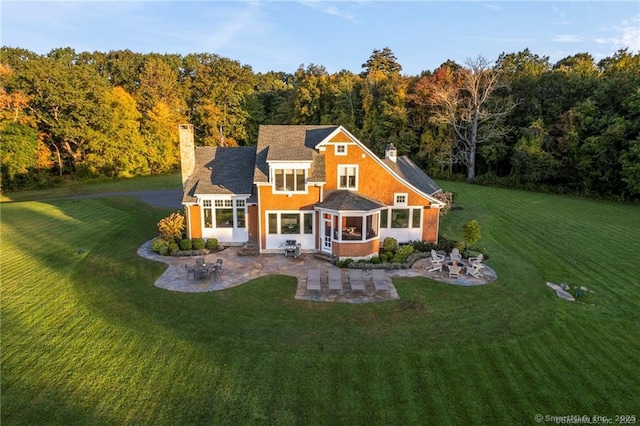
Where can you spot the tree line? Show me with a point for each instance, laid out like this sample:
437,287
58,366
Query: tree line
518,121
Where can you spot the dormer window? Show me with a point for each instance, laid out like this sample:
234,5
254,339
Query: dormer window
290,180
341,149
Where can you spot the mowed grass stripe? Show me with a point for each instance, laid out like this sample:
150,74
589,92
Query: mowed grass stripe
125,352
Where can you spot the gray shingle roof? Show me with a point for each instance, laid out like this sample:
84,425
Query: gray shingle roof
221,170
407,170
349,200
290,143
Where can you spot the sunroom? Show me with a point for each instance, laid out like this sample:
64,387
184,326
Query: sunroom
349,225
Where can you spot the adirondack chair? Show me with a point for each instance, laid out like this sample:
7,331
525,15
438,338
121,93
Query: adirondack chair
454,270
436,262
476,260
474,269
455,255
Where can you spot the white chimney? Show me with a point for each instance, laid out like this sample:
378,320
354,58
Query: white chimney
391,153
187,151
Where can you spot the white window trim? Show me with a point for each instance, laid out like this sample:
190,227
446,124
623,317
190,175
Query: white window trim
404,203
306,179
337,152
301,213
343,167
234,206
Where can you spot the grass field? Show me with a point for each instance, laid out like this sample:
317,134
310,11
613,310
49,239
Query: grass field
73,188
88,339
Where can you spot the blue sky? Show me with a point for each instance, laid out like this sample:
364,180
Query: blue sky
281,35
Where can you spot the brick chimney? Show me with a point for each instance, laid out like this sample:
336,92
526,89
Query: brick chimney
187,151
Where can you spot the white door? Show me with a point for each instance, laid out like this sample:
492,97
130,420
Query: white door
326,238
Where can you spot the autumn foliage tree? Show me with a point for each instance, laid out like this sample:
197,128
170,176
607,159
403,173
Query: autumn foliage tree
466,107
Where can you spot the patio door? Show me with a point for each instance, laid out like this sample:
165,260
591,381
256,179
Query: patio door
327,220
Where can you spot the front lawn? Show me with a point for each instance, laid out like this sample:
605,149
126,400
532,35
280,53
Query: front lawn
88,339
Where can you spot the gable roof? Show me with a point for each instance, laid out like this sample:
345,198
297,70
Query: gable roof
290,143
221,170
407,170
343,199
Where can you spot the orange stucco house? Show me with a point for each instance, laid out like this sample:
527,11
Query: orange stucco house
318,185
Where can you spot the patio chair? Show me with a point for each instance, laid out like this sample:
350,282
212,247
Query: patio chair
474,270
218,268
313,280
355,279
190,271
455,255
476,260
380,280
436,262
454,271
335,279
435,256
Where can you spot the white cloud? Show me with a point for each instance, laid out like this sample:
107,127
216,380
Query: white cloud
627,35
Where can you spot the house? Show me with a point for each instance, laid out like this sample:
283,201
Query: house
318,185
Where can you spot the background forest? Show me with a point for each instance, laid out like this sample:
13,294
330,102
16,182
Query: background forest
516,121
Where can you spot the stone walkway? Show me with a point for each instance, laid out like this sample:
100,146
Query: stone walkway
240,269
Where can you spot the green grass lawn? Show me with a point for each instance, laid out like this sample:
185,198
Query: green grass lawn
88,339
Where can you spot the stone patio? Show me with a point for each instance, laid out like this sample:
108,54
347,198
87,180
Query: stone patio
240,269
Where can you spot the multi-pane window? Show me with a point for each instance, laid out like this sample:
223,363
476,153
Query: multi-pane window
359,228
348,177
208,214
341,149
400,199
290,223
290,180
225,213
240,213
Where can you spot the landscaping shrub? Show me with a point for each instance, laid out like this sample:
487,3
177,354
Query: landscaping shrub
198,243
347,262
383,258
171,227
389,244
173,247
185,244
423,246
212,244
375,260
403,253
158,244
470,232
